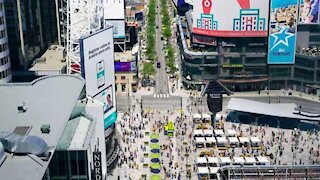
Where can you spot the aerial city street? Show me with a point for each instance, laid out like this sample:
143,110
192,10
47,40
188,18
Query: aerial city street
159,90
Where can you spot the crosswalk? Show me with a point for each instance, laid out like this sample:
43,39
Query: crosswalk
161,95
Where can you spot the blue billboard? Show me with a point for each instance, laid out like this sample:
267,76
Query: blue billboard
282,31
109,120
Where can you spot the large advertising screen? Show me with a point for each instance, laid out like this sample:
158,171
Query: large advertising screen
283,28
97,68
113,9
309,11
125,66
119,30
231,18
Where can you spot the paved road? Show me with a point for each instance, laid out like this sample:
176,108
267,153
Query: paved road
161,75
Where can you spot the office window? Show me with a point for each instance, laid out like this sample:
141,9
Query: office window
123,77
123,87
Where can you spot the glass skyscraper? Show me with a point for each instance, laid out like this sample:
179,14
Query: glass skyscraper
32,28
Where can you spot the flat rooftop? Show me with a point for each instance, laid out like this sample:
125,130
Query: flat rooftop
286,110
123,56
51,60
48,100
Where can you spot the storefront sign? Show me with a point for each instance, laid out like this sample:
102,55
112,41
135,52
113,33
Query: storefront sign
97,166
232,65
228,44
243,74
232,55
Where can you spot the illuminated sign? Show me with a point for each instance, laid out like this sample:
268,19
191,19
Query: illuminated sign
242,74
232,65
231,18
283,28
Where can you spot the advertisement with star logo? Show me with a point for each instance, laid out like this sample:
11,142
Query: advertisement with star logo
282,31
231,18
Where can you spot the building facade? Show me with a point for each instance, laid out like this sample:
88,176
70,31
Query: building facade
5,64
33,29
241,63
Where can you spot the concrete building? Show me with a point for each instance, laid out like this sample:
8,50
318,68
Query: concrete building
241,63
126,71
52,137
5,64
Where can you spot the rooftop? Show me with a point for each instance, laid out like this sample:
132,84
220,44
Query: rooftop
286,110
48,101
52,60
123,56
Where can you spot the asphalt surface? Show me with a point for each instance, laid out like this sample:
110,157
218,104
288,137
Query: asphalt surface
161,75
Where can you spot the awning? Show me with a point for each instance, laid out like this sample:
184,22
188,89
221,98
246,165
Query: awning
231,132
239,160
211,139
250,160
198,132
233,140
208,132
213,160
255,140
263,159
244,139
218,132
203,170
214,170
225,160
221,140
206,116
200,140
201,160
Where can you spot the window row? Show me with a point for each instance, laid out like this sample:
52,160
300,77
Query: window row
2,34
4,74
3,47
1,6
1,20
4,60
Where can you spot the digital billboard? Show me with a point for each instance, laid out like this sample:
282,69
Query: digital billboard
119,30
282,31
113,9
309,11
231,18
125,66
97,68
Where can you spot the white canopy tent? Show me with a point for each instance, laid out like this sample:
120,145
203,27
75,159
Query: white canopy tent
218,132
206,117
211,140
208,132
263,160
233,140
244,139
225,160
214,170
250,160
239,160
201,160
196,117
231,132
200,140
213,160
222,140
198,132
255,140
203,170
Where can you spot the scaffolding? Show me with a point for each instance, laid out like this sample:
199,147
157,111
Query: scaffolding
78,18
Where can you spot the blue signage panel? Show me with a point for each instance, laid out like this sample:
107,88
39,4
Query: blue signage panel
109,120
282,31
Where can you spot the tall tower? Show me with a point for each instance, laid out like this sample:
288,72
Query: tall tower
5,65
78,18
